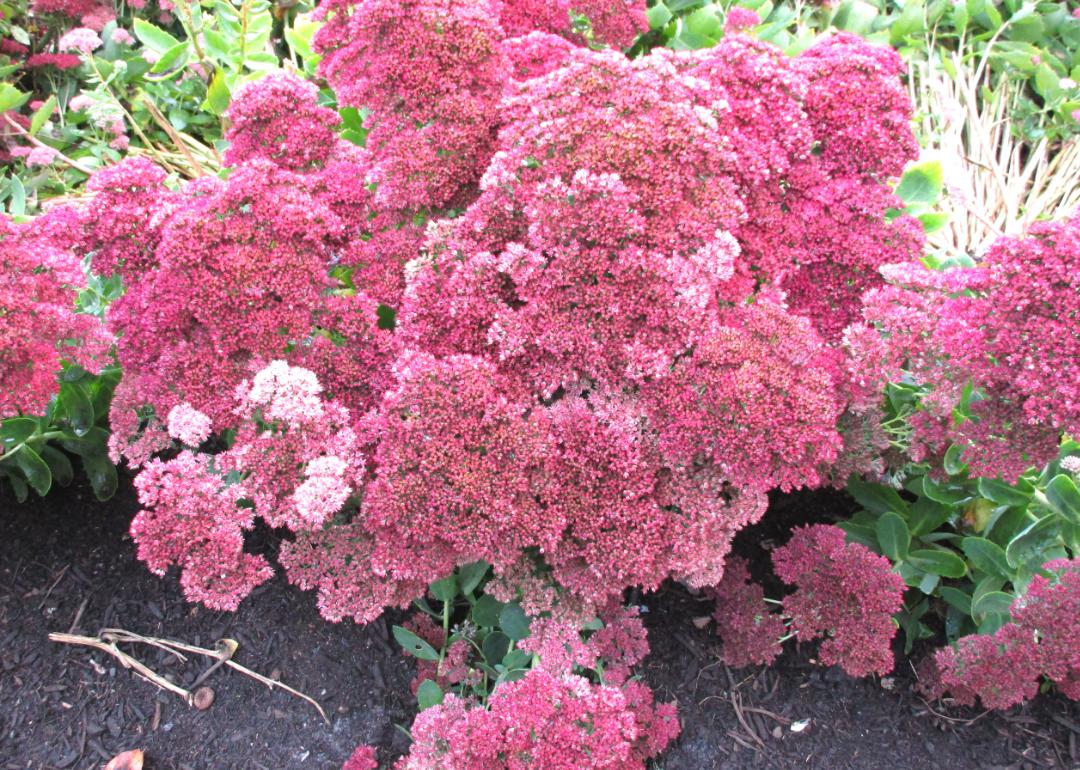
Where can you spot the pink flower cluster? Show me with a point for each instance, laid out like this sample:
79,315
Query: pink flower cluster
844,593
294,462
39,280
431,74
750,631
544,721
1002,334
1004,668
593,360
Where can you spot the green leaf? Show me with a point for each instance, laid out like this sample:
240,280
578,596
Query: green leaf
1064,497
217,94
445,590
154,38
59,465
876,498
1027,547
495,647
946,494
471,574
944,563
956,598
17,207
174,58
992,602
102,474
952,461
11,98
658,16
18,484
986,556
1002,493
921,184
75,407
428,694
42,114
893,535
414,645
514,622
1047,82
16,430
35,469
486,611
927,515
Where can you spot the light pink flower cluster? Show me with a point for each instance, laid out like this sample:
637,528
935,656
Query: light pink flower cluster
844,593
188,425
1004,668
297,470
39,280
79,39
1002,335
544,721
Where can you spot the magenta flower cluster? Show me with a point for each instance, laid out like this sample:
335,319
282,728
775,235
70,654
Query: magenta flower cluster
40,277
544,721
1005,668
844,594
1002,336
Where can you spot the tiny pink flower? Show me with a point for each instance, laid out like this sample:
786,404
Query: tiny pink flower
188,424
80,39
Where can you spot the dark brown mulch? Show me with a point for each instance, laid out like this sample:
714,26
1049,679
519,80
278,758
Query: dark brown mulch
66,564
71,707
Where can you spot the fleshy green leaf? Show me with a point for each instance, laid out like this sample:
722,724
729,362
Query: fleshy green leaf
35,469
428,694
876,498
414,645
1028,546
893,535
514,622
1064,497
921,184
986,556
470,575
940,562
154,38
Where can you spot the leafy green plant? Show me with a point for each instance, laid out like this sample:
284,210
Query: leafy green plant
464,613
967,547
36,450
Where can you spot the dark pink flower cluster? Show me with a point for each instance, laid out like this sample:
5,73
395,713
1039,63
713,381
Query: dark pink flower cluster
1001,336
544,721
750,630
39,280
844,593
363,758
593,360
1004,668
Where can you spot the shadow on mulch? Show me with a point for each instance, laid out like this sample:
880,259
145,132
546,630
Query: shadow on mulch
67,564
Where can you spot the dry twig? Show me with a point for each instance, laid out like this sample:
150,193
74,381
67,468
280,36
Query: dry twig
109,638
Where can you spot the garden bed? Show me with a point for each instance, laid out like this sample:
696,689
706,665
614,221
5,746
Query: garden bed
67,565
